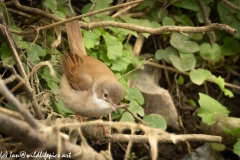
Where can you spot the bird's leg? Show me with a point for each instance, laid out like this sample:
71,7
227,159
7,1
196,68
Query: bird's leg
80,118
105,130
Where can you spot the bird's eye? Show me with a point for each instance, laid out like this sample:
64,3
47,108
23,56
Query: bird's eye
105,95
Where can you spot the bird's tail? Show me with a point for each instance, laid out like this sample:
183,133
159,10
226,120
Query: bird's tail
75,39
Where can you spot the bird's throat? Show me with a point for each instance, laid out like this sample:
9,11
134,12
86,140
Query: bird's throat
100,102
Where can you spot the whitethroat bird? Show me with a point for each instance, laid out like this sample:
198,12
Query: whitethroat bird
88,86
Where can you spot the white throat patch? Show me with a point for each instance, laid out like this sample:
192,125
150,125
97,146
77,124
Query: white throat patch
100,102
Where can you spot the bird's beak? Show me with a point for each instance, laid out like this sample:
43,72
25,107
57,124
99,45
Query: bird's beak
114,107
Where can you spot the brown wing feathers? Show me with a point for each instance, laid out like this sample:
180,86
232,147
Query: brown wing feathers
73,60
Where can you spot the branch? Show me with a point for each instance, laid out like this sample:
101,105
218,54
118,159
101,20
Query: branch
11,44
44,138
123,138
18,106
155,31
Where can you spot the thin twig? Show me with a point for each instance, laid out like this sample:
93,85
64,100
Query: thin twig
207,21
11,44
59,20
229,4
18,106
187,74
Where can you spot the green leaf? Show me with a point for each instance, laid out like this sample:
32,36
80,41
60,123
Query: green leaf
120,64
218,147
228,16
104,57
209,108
220,82
134,94
101,4
135,108
144,4
18,39
230,47
198,76
6,55
164,54
34,52
52,4
181,43
183,63
155,121
184,19
228,93
114,47
236,131
61,109
158,15
197,36
122,33
141,22
91,39
192,103
180,80
127,117
51,81
200,14
210,53
167,21
187,4
236,147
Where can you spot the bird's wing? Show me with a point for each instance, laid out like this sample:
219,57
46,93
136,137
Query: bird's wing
78,79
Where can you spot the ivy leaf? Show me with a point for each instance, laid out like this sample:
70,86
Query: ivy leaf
236,147
127,117
154,14
181,43
141,22
180,80
122,33
104,57
220,82
184,19
134,94
144,4
199,76
183,63
187,4
155,121
120,64
168,21
164,54
200,14
210,53
18,39
5,54
135,108
52,4
91,39
209,108
34,52
61,109
51,81
230,47
114,47
192,103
